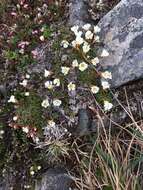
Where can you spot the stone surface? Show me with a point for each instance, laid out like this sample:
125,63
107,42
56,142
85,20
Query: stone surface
84,122
3,91
54,179
2,185
122,34
78,12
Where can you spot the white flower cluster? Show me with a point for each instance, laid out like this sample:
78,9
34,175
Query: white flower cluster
51,84
13,99
24,83
56,102
84,38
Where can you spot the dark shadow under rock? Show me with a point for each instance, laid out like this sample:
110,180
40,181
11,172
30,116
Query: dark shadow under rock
127,106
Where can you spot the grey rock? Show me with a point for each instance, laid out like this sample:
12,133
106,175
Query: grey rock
122,34
54,179
117,118
78,12
84,122
2,185
3,91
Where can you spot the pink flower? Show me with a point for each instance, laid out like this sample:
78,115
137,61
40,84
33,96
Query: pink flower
11,33
25,6
13,14
34,53
22,2
35,32
23,44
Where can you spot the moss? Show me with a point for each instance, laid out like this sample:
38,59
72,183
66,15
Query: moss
87,77
11,55
29,112
47,31
56,45
26,60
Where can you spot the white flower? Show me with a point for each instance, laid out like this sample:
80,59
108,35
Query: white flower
12,99
45,103
107,105
25,129
83,66
94,89
65,43
97,29
15,118
105,85
79,40
27,94
75,63
32,172
107,75
71,86
39,167
51,123
24,83
97,38
74,44
42,38
21,51
49,84
86,47
27,76
104,53
88,35
39,16
57,102
75,29
86,26
65,70
95,61
1,132
36,139
47,73
79,33
56,82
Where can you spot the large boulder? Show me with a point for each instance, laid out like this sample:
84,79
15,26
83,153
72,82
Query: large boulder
122,34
